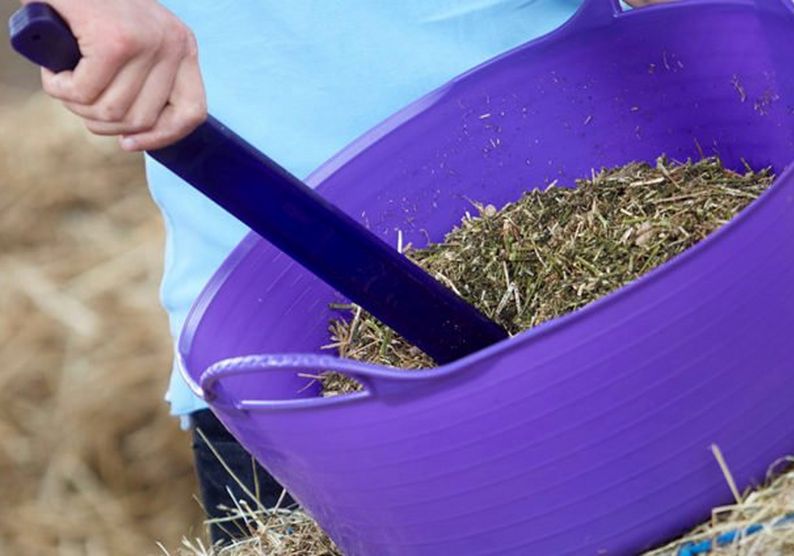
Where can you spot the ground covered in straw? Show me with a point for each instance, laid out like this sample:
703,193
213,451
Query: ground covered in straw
279,532
90,461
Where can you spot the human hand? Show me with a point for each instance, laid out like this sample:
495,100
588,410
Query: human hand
139,77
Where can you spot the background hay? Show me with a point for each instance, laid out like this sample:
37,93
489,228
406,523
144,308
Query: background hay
90,461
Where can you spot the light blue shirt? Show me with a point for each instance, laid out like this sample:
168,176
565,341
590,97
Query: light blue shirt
302,78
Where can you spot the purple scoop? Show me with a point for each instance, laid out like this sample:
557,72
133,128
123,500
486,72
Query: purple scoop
588,434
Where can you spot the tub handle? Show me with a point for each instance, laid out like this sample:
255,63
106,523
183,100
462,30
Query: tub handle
378,380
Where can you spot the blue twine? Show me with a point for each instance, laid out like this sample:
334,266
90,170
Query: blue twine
724,539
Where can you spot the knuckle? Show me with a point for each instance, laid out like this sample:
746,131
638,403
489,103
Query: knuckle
141,122
85,95
187,41
195,113
110,113
82,91
176,38
177,32
192,45
122,45
116,50
50,87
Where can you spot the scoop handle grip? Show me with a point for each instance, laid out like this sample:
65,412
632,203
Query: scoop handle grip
41,35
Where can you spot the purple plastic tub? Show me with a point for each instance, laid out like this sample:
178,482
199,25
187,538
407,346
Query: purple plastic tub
589,434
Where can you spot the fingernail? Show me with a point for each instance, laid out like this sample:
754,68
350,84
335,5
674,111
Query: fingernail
129,144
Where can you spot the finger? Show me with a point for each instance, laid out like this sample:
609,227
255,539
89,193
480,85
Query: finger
119,96
186,110
146,108
89,79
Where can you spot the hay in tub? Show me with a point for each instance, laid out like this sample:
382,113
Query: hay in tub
554,251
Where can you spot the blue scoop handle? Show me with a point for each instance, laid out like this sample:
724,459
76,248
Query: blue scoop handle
292,216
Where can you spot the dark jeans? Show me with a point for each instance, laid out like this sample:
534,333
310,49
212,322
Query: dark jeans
215,481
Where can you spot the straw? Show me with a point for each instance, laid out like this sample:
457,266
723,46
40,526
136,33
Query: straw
274,531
